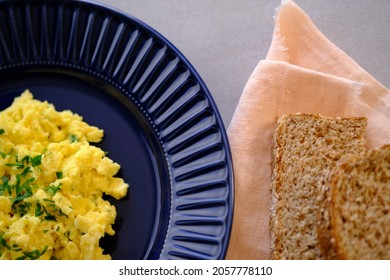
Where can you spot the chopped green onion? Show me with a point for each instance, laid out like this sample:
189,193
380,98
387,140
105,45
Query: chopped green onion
33,255
50,217
3,243
73,138
38,210
25,171
35,161
52,190
17,165
6,186
24,159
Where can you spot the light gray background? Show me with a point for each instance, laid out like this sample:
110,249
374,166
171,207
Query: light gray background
225,39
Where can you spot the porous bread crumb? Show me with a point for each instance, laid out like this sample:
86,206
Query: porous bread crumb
306,148
360,206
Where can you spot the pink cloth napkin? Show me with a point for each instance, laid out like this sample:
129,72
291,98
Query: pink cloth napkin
303,72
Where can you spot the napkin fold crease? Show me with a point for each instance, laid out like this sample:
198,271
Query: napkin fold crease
303,72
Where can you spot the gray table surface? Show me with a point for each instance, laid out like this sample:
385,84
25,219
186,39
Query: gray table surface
225,39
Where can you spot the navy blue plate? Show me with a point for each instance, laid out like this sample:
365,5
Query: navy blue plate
160,121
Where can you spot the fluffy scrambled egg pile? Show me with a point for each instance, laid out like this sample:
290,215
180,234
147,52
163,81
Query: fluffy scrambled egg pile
51,184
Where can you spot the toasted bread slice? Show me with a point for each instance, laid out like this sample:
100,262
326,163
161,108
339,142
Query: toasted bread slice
306,147
360,206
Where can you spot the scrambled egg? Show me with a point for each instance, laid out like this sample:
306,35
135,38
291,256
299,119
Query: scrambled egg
51,184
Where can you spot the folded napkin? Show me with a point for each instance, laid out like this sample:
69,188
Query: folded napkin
303,72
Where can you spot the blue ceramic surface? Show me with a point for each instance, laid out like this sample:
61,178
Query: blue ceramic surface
161,124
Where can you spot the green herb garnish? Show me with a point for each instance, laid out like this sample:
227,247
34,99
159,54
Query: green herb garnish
5,186
50,217
35,161
73,138
2,131
20,164
17,165
22,207
22,190
3,243
16,248
38,210
52,190
25,159
25,171
33,255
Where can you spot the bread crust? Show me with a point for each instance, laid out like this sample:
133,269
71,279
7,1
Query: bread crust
276,243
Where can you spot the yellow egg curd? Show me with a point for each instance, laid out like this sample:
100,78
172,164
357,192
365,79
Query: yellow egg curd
52,182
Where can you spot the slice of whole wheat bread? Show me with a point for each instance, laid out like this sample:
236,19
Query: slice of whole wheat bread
360,206
305,148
